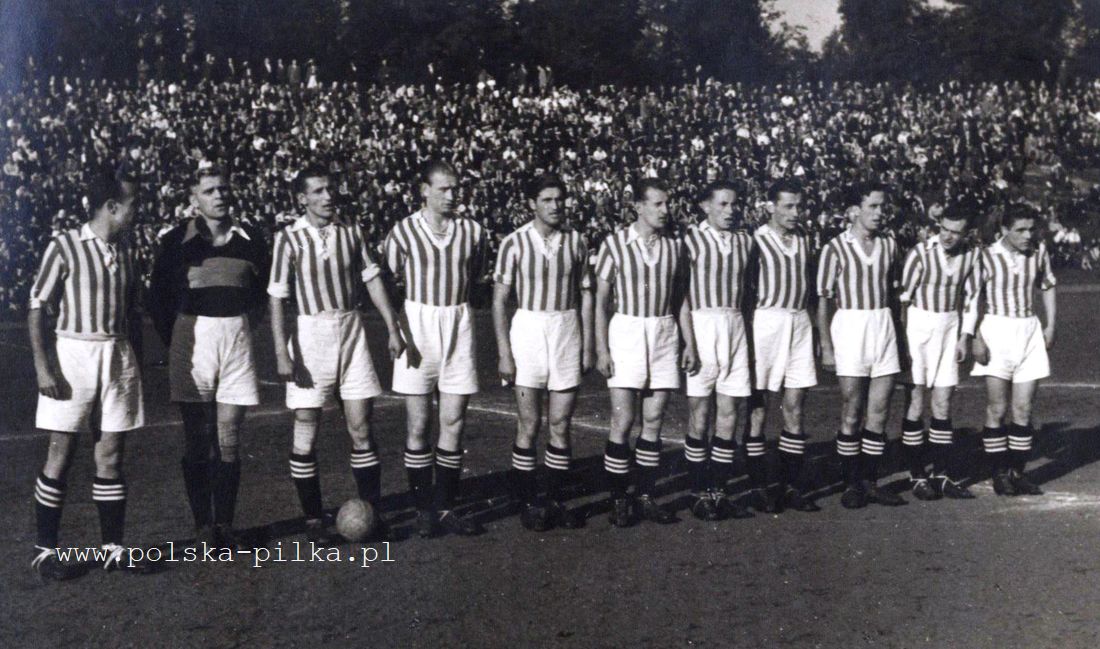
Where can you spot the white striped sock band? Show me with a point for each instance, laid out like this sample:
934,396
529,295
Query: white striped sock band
847,446
364,459
555,461
108,491
523,462
618,465
695,453
448,461
940,436
647,458
48,496
872,446
792,445
995,444
303,469
754,449
721,455
418,459
912,437
1017,443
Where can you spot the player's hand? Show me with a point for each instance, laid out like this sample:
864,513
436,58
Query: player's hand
605,365
396,345
588,361
506,367
689,360
963,353
980,350
48,384
828,360
1048,336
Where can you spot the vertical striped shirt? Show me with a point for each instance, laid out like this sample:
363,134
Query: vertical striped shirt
644,277
324,266
1009,279
547,274
717,266
437,271
856,279
95,282
783,273
936,281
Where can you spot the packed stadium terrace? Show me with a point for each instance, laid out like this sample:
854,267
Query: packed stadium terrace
952,142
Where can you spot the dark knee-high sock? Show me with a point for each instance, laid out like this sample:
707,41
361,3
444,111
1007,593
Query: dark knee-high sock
847,449
695,453
196,481
366,468
871,451
522,475
647,455
941,435
995,443
49,497
1019,446
303,469
556,462
109,495
756,461
418,470
448,471
616,466
227,481
722,452
912,441
792,451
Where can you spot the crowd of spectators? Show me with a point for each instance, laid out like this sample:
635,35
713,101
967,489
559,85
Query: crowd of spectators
934,145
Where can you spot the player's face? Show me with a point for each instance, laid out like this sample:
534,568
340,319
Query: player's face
719,209
952,233
211,197
1020,235
653,208
785,211
549,207
123,211
316,198
872,212
439,193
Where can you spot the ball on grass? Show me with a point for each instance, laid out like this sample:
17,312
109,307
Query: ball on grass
355,520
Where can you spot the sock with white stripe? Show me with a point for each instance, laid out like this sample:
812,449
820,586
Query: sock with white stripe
871,449
448,471
756,461
522,475
722,452
941,435
418,470
695,452
303,469
227,481
647,455
847,449
912,442
557,462
792,451
109,495
995,443
196,482
616,465
49,497
1019,446
366,468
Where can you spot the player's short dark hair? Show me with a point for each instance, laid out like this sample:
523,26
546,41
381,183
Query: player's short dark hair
958,211
310,170
645,184
1018,212
545,181
858,191
713,188
109,184
783,186
437,167
207,171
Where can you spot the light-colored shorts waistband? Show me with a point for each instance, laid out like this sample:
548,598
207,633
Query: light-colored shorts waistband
642,318
779,309
718,310
548,314
449,307
90,337
330,314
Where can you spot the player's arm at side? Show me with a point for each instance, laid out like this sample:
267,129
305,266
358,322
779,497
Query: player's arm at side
588,328
278,290
506,363
826,281
603,347
1047,288
681,303
46,290
380,297
166,285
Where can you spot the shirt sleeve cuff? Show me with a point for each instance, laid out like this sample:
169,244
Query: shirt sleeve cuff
500,278
281,291
370,273
36,303
970,321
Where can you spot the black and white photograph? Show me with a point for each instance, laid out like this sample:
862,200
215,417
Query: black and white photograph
550,323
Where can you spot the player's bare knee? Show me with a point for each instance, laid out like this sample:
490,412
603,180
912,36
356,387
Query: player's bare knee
941,406
1021,413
